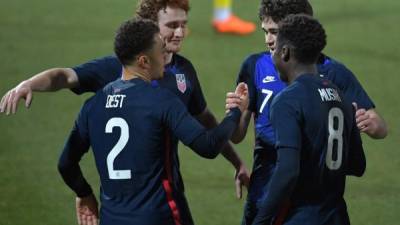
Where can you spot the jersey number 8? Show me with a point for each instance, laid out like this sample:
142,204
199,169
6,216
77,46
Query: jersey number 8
335,136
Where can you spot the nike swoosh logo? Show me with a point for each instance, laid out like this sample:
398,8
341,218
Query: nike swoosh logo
268,79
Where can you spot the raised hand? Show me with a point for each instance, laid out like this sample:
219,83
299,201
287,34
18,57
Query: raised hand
239,98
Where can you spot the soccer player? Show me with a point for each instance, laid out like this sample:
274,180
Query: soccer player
261,76
317,139
225,22
180,77
259,72
129,124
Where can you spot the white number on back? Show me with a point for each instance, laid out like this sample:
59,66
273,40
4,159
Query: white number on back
267,97
123,140
335,134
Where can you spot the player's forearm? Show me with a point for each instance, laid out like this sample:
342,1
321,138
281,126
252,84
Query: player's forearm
241,130
209,143
73,177
208,120
52,80
378,125
68,164
281,185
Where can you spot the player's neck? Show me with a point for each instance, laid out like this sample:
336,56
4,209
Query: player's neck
129,73
301,69
168,57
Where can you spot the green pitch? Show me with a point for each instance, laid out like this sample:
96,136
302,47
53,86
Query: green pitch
36,35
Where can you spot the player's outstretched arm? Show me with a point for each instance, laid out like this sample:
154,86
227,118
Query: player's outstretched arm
371,123
49,80
87,212
206,143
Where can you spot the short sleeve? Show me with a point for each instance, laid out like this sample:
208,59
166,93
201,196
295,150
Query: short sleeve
246,75
197,102
175,115
95,74
286,121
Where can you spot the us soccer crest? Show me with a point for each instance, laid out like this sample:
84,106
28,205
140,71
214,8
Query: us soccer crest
181,82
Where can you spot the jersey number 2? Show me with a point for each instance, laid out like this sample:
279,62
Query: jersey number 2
123,140
335,135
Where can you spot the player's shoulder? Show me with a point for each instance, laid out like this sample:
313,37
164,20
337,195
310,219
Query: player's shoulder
252,59
288,96
298,90
180,59
182,62
106,60
110,87
333,69
88,105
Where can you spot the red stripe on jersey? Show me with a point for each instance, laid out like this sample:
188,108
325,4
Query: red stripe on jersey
282,214
168,180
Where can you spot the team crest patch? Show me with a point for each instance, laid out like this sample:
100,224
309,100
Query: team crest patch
181,82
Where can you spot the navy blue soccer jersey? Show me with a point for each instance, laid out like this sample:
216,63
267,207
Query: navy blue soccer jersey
311,116
129,125
180,78
262,78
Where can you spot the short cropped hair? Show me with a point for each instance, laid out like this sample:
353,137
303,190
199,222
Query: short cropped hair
148,9
279,9
304,34
133,37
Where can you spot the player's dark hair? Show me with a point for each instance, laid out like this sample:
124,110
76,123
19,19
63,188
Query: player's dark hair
304,34
279,9
148,9
133,37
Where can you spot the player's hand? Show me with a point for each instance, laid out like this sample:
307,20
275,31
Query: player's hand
239,98
364,121
243,92
87,210
9,102
242,178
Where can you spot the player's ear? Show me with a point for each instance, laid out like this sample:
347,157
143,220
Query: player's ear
285,53
143,61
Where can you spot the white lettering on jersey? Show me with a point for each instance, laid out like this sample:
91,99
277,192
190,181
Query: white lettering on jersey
329,94
115,101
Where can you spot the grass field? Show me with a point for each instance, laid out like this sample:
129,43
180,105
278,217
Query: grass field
36,35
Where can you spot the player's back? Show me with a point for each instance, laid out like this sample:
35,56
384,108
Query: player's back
326,123
129,145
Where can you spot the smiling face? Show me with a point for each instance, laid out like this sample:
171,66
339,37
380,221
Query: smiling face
172,23
270,29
